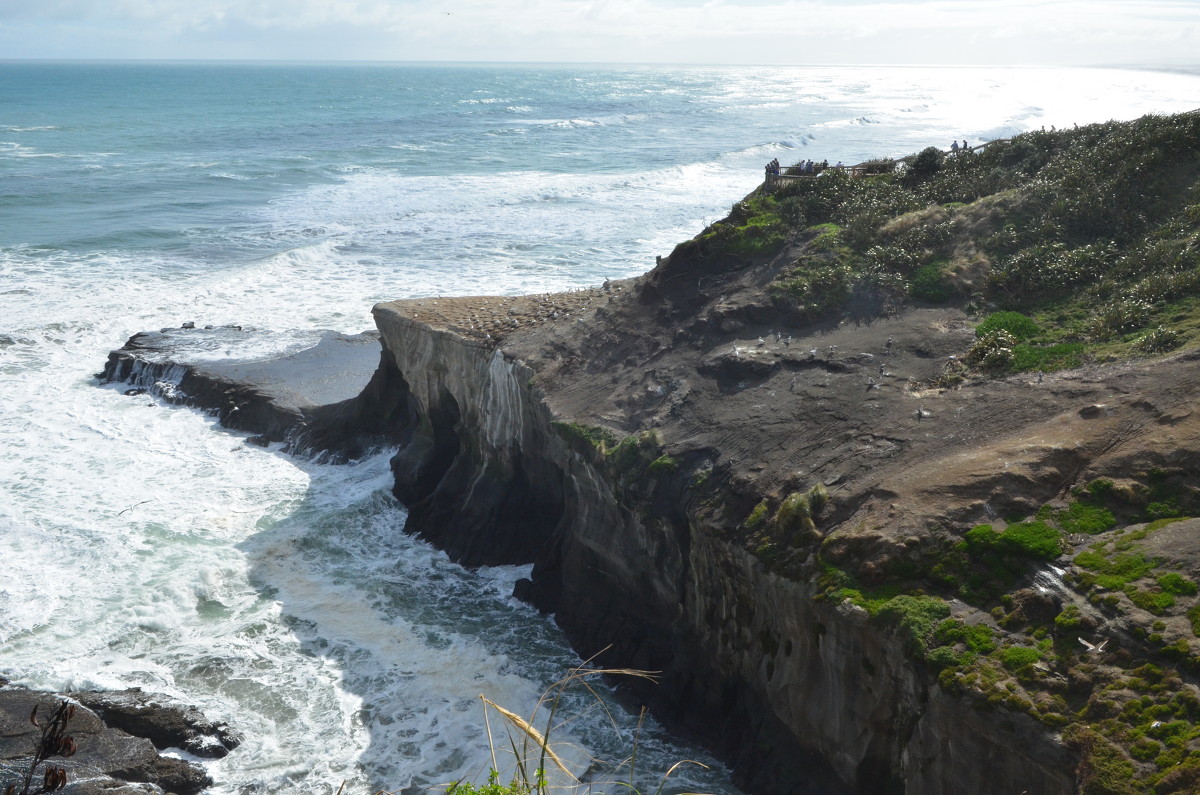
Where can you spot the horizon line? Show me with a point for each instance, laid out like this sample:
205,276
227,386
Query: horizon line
1167,65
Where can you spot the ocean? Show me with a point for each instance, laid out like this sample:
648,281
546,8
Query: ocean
144,546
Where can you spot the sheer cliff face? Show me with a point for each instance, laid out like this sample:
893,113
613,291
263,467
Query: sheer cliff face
801,695
478,466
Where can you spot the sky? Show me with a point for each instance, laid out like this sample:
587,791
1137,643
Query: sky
1007,32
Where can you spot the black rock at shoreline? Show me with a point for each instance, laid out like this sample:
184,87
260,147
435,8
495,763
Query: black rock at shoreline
119,736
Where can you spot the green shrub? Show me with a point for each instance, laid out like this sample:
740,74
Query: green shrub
794,519
816,288
1081,517
992,352
1160,340
494,787
927,163
1019,659
818,497
917,616
1119,316
1177,584
929,284
1034,539
1019,326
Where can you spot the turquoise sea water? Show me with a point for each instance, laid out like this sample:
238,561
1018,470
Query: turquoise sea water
142,546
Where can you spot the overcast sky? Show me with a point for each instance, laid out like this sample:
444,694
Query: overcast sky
1033,32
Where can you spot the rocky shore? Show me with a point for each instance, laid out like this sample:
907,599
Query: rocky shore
119,736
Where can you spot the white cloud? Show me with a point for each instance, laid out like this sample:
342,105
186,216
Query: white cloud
746,31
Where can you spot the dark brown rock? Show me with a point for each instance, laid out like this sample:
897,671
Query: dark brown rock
163,721
108,761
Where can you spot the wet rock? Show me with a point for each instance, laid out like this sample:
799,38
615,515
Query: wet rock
108,761
312,400
163,721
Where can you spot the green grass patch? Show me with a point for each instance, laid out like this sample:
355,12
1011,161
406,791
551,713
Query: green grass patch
1081,517
1034,539
1047,358
662,465
929,284
1194,616
754,228
584,436
977,638
1015,323
916,616
1156,602
1019,659
757,516
1116,571
1177,584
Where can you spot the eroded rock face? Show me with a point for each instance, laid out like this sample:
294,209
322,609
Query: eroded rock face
480,465
646,569
800,694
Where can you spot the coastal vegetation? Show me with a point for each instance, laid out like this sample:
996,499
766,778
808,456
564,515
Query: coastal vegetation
1065,248
1133,720
535,767
1082,245
1002,548
53,741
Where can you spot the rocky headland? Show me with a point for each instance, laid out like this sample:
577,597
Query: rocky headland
890,477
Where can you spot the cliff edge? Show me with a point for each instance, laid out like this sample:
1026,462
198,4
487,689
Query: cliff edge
891,476
868,545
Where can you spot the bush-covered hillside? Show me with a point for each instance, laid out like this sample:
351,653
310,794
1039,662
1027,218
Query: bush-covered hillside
1091,236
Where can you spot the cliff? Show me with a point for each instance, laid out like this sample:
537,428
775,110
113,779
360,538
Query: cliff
871,543
889,477
648,565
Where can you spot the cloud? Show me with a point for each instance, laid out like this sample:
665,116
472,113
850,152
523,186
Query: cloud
714,31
